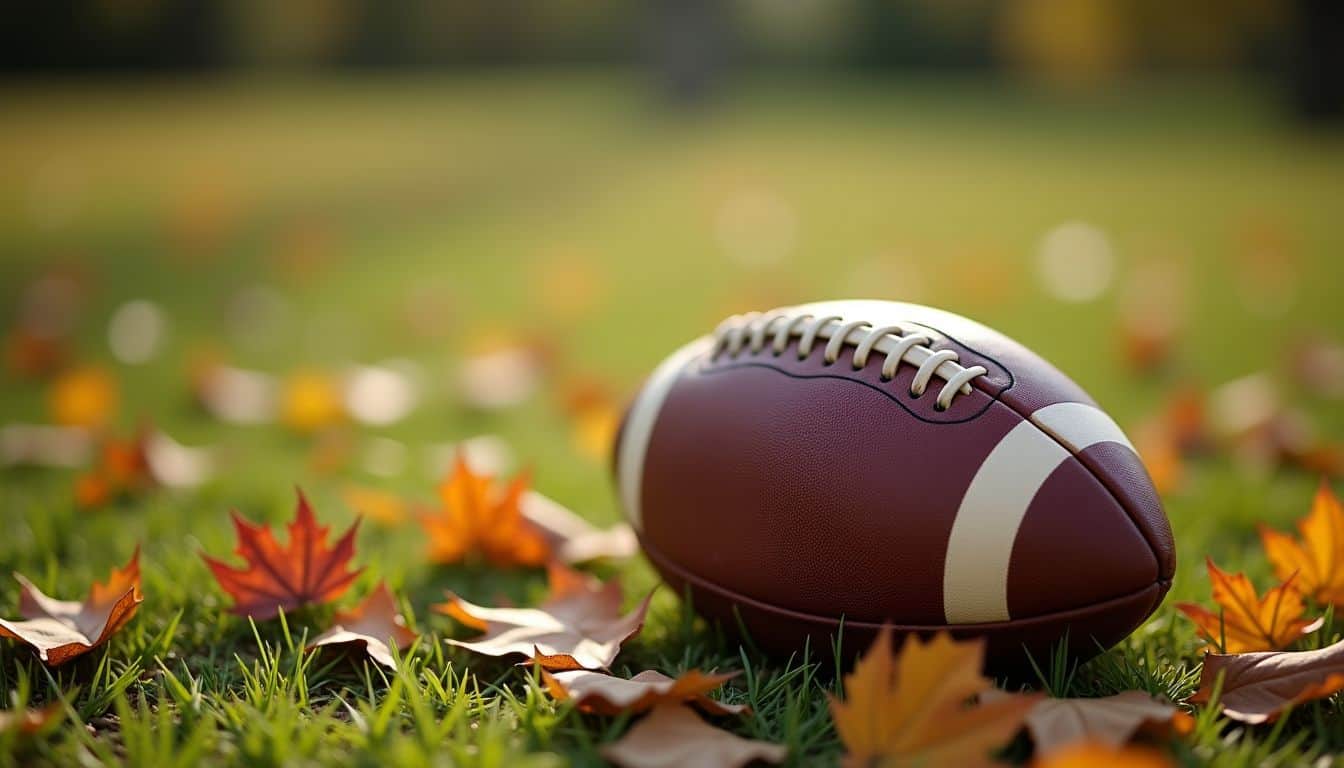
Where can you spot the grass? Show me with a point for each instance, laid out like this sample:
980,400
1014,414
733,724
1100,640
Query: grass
575,208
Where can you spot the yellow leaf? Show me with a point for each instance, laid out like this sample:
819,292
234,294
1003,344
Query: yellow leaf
310,401
915,707
1318,558
1247,621
84,397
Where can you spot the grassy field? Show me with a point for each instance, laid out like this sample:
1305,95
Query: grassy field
412,219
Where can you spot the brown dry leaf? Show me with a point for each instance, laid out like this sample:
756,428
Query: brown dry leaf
1055,724
30,721
1317,559
478,518
306,572
574,539
61,630
913,706
375,622
1247,621
1258,687
1099,755
600,694
83,397
579,626
676,737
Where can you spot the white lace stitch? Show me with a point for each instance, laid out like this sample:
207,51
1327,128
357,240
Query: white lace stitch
898,344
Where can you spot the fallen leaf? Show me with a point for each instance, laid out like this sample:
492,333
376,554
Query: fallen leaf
574,539
1246,621
579,626
502,373
382,507
42,445
600,694
676,737
34,355
476,518
306,572
1317,363
61,630
912,707
147,459
1056,724
1099,755
234,395
311,400
594,417
375,622
83,397
1258,687
30,721
1317,559
1161,454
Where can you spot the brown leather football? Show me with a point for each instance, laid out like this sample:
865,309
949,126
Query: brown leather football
886,463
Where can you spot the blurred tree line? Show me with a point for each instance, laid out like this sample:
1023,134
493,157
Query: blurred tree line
1075,42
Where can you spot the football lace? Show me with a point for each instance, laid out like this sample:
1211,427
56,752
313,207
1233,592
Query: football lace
899,344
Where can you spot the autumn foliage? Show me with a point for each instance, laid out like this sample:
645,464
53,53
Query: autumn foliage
478,519
306,571
62,630
912,707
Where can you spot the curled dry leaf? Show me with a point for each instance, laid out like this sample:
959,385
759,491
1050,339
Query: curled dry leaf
375,623
573,539
1246,621
600,694
1258,687
1317,560
912,706
674,737
1055,724
1101,755
579,626
62,630
30,721
476,518
306,572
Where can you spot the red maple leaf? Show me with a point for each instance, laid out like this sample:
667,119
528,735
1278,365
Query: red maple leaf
306,572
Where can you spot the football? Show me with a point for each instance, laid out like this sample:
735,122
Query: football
870,463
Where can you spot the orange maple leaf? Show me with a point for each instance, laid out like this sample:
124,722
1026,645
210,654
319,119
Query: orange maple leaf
476,518
1318,559
306,572
1246,621
61,630
912,707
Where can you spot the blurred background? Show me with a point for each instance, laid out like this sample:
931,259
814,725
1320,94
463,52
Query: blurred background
245,244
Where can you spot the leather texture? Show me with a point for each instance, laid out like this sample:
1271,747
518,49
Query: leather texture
790,493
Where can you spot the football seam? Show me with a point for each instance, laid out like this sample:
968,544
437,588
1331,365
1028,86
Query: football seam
711,368
1130,514
698,581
